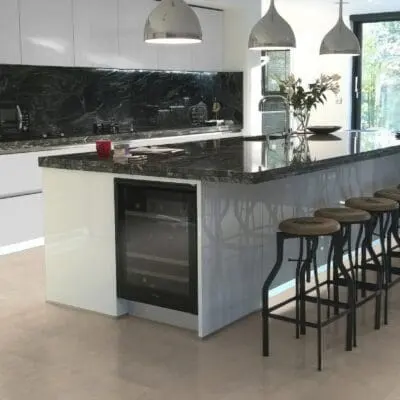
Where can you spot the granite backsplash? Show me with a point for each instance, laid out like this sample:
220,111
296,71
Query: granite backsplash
69,101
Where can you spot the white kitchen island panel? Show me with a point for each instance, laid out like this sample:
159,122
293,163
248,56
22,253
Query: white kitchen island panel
239,225
236,236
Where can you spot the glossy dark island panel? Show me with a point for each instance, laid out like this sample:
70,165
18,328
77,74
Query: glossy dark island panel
58,101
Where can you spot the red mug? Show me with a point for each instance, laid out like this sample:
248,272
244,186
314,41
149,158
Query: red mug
103,148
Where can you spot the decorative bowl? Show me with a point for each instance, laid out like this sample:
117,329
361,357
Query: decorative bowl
323,130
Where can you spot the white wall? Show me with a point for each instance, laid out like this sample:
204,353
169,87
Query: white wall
238,24
310,24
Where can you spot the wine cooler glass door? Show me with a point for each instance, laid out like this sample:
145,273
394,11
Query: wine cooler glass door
157,245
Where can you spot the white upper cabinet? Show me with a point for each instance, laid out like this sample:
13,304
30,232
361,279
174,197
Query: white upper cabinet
46,32
9,41
174,57
101,33
208,55
96,32
134,52
205,56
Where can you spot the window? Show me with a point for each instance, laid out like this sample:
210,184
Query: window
277,67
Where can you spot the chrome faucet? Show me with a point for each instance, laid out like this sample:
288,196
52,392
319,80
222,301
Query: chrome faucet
275,112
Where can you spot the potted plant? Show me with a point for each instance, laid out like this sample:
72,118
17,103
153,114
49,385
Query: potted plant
302,99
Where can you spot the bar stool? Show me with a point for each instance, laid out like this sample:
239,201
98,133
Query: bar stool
308,229
382,211
392,193
349,218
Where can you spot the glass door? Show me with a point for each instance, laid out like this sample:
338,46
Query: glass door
376,83
156,233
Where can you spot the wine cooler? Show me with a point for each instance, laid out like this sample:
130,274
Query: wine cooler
156,233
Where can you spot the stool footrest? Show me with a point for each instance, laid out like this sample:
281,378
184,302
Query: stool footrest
291,320
326,302
363,300
395,270
393,282
370,287
324,323
369,267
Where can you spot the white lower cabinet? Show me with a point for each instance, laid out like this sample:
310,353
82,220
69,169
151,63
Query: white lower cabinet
21,200
21,219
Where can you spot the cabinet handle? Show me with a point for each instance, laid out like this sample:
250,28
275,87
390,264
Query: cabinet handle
356,91
19,194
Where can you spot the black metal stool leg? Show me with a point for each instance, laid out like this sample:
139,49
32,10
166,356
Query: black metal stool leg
314,247
354,279
395,227
339,242
367,246
388,256
309,273
357,255
329,277
303,272
335,291
266,287
298,289
382,236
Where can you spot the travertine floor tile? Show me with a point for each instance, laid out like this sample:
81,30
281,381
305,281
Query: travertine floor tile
49,352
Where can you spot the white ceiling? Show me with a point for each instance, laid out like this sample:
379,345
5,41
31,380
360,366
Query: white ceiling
353,6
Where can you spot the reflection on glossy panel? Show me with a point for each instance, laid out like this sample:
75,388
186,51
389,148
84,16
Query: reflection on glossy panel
240,223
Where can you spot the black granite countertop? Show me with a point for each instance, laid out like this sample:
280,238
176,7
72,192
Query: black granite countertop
35,145
239,160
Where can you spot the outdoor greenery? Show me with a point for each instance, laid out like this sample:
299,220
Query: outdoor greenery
380,91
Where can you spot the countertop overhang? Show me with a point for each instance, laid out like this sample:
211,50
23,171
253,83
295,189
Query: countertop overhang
240,160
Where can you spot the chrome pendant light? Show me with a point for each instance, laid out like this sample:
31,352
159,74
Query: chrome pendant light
173,22
272,31
340,39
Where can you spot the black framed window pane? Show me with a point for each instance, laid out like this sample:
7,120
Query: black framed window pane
376,76
276,68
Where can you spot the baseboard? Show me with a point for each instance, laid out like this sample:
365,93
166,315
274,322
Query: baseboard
163,315
17,247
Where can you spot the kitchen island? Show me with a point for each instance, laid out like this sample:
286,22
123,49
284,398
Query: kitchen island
214,208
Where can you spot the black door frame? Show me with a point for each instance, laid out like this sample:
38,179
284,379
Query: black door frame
357,22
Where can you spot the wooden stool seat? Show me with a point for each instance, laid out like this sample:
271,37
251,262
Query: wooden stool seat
309,226
344,214
372,204
389,193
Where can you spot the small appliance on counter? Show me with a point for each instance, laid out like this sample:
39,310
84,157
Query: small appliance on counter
105,127
198,114
14,121
53,132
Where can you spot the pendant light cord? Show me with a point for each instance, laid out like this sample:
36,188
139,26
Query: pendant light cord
273,9
341,9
